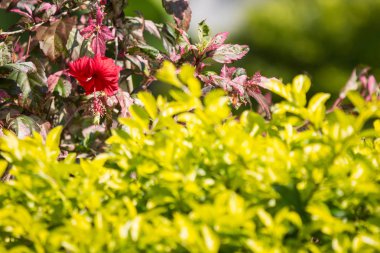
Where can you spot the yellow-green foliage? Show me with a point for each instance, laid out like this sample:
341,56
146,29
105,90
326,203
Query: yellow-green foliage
184,175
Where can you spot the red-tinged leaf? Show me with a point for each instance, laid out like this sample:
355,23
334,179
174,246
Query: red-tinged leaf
217,41
263,102
99,16
227,72
88,30
43,7
53,80
45,128
28,9
125,101
22,13
24,126
3,96
181,11
372,85
238,84
234,86
151,27
32,83
229,53
98,43
53,37
26,67
93,129
140,62
47,8
63,88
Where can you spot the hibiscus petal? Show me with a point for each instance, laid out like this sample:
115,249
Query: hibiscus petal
107,74
89,86
81,69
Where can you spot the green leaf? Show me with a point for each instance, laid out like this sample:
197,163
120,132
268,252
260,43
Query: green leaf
187,76
167,74
253,123
31,84
277,87
211,240
318,101
228,53
75,44
63,88
356,99
53,37
53,137
26,67
290,196
149,103
5,54
203,32
316,108
300,86
24,126
140,115
147,50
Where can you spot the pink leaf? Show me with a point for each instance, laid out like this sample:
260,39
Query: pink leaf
263,102
106,33
53,80
98,46
3,96
151,27
99,16
89,30
28,9
22,13
238,84
125,102
217,41
372,85
227,72
44,7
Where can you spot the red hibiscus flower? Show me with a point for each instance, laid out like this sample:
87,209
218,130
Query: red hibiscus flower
96,74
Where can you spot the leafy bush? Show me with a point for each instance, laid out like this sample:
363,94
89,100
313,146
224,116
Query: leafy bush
184,175
80,64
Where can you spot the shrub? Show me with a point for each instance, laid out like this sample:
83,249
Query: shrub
185,175
80,64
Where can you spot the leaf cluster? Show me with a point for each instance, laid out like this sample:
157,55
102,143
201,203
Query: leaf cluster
185,175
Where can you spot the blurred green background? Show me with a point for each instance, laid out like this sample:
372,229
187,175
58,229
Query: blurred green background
326,39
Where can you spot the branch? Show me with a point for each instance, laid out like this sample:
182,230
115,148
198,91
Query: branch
35,26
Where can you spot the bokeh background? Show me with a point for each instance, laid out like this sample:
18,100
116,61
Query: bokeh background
325,39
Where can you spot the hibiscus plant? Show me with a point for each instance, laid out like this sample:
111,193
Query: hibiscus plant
80,64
